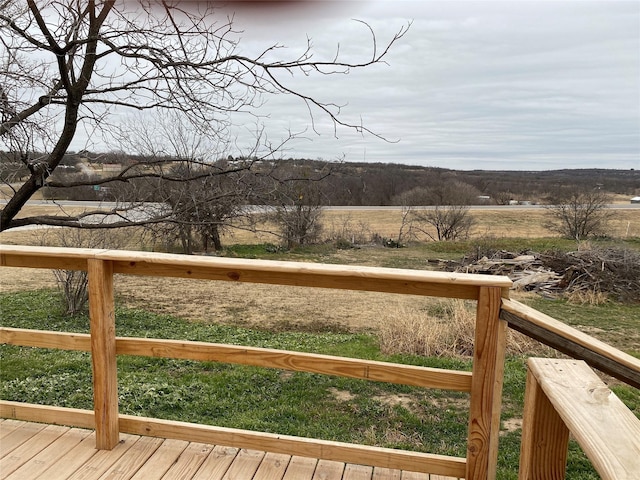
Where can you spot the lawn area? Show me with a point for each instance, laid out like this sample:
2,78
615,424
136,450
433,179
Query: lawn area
273,400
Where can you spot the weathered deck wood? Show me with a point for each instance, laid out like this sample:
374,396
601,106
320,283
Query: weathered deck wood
37,451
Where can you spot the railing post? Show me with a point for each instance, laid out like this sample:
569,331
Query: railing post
545,437
103,352
486,386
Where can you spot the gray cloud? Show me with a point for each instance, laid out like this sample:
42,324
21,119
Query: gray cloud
493,85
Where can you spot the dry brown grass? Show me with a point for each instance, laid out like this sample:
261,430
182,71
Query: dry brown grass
403,319
446,328
499,223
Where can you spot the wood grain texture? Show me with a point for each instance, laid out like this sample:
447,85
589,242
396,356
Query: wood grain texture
297,361
262,357
161,460
45,339
300,468
41,462
295,446
545,438
571,341
322,449
47,414
607,431
486,387
415,282
103,352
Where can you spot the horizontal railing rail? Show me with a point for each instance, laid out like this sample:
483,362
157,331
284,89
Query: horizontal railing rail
571,341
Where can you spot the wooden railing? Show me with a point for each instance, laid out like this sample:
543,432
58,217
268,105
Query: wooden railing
566,397
484,383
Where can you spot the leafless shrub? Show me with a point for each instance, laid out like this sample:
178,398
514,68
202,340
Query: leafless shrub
344,230
578,214
73,283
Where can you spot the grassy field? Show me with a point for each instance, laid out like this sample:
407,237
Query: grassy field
317,320
261,399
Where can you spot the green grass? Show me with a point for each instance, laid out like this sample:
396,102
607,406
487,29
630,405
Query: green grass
614,323
271,400
413,256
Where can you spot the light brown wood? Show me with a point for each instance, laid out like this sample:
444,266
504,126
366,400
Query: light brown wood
386,474
217,463
262,357
486,389
30,448
18,436
46,414
45,257
300,468
415,476
244,465
342,452
45,339
357,472
8,425
136,457
190,461
574,342
50,455
100,461
545,438
273,466
416,282
607,431
297,361
161,460
328,470
103,352
388,458
73,459
73,455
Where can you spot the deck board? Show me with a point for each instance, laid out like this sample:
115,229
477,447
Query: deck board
37,451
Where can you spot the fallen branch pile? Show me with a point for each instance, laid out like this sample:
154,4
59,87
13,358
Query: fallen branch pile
613,271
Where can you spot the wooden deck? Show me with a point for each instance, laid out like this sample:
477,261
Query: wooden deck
32,451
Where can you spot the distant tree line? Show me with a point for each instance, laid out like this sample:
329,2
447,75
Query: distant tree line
358,184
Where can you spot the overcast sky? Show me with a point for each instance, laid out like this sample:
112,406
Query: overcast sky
517,85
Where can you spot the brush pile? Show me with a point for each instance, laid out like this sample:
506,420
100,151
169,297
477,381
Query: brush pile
609,272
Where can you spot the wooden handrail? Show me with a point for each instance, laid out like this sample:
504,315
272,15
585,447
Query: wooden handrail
572,342
484,383
387,280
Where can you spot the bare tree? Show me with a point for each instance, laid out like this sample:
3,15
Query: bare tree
579,213
73,284
69,65
298,205
449,216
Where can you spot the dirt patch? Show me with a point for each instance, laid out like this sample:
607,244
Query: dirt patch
402,400
341,395
511,425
